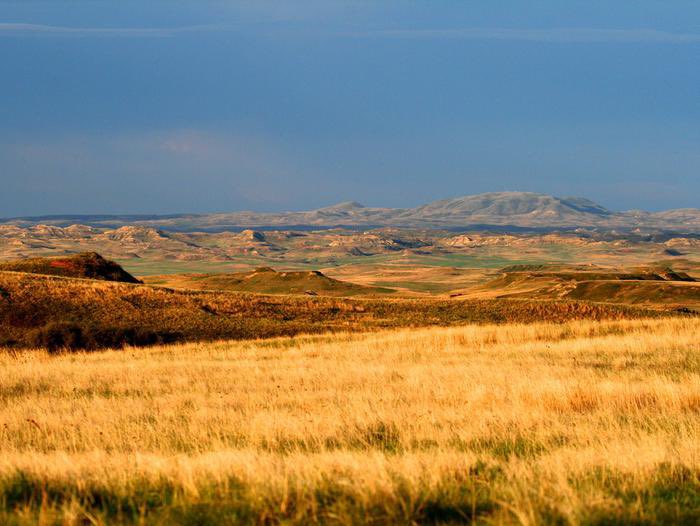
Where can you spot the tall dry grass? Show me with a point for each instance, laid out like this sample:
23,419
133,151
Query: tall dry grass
575,423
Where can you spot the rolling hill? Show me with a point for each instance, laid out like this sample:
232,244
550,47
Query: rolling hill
265,280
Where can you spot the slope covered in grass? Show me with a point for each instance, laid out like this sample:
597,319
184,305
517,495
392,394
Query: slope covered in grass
568,423
266,280
55,312
88,265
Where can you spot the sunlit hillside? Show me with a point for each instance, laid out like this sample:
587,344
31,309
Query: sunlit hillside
572,423
58,313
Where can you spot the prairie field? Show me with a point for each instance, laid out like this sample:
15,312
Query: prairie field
580,422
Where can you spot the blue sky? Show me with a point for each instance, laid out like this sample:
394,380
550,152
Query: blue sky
162,107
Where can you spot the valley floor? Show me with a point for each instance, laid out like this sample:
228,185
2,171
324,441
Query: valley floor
574,423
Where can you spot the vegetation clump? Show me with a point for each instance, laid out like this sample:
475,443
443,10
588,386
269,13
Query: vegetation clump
65,336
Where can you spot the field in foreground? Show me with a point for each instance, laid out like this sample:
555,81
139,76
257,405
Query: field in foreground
580,422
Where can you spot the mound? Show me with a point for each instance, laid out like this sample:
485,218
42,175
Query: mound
89,265
252,235
266,280
135,235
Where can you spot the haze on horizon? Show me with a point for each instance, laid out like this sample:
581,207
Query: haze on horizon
155,107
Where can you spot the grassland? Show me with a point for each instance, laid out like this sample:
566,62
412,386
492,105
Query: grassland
360,407
570,423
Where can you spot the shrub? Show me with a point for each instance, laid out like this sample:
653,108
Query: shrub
115,337
58,336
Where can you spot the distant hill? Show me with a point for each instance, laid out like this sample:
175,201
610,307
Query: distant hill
504,209
265,280
518,207
89,265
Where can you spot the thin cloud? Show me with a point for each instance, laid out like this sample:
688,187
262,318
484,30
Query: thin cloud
563,35
21,29
554,35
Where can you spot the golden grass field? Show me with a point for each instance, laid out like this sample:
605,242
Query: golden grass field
573,423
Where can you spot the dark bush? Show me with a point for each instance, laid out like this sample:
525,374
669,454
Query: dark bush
56,337
116,337
108,337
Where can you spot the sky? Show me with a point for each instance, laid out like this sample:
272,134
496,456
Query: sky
212,106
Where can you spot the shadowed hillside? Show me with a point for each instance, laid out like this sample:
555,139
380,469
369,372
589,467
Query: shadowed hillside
56,312
267,281
651,286
639,292
88,265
